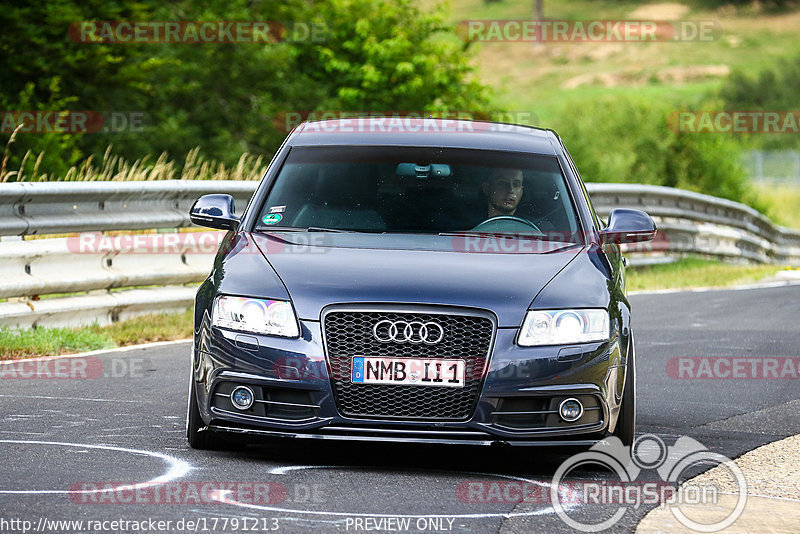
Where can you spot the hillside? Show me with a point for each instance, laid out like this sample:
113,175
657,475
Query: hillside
541,77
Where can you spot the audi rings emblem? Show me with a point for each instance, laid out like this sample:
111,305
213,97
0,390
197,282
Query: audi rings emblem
408,331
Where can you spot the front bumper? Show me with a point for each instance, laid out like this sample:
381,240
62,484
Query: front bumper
519,394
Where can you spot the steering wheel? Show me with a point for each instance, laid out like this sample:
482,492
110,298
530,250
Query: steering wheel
486,226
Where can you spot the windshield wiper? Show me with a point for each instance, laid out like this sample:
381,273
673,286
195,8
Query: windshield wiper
323,229
470,233
298,229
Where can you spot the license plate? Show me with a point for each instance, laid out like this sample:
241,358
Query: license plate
408,371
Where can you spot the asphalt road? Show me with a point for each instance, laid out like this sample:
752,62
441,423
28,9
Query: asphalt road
125,424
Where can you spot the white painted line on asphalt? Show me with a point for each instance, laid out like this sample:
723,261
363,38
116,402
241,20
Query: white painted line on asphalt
221,496
177,468
68,398
788,275
762,285
286,468
100,352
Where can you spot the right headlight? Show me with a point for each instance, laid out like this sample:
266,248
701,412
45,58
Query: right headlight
563,327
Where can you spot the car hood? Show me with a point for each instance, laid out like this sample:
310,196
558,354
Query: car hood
348,268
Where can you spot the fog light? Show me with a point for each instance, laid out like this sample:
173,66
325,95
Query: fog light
570,410
242,397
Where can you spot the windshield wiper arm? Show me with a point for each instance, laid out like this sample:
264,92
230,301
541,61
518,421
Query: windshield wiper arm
262,228
471,233
323,229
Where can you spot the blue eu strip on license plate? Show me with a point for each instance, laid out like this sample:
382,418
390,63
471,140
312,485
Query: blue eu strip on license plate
358,369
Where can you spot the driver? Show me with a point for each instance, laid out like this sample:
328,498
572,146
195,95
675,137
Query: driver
503,190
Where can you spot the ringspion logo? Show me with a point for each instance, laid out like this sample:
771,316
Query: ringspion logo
626,491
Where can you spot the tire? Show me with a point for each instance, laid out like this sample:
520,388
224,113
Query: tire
626,421
199,436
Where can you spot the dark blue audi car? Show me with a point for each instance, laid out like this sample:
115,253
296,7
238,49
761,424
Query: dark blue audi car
416,280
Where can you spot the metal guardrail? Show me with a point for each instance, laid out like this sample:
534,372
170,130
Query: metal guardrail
93,261
114,272
61,207
702,224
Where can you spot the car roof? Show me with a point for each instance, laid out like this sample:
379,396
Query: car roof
433,132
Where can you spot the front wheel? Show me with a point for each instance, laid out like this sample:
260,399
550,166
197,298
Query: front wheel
199,436
626,422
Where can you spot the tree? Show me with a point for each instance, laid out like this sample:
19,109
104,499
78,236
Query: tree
377,55
43,70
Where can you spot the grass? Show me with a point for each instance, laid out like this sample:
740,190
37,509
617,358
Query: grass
161,327
50,341
783,202
56,341
697,272
115,168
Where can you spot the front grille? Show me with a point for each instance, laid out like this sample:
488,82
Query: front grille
350,333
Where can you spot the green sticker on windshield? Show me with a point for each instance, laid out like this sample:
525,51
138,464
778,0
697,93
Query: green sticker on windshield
272,218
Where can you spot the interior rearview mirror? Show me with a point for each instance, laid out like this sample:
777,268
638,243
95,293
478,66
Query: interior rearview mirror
434,170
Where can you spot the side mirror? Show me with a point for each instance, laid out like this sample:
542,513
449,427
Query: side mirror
628,226
214,211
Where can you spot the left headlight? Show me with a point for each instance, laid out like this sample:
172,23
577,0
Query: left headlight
270,317
559,327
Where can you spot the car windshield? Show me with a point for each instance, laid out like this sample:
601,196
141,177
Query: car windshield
420,190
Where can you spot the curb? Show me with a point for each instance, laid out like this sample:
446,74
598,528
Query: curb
772,493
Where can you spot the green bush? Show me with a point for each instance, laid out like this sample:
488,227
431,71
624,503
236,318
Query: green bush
625,139
772,89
